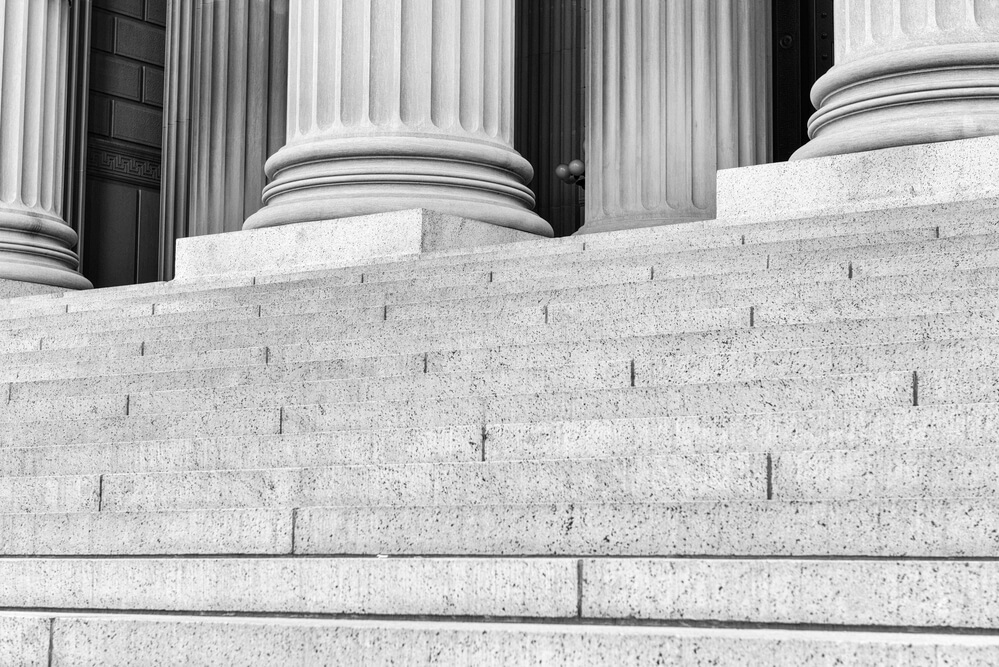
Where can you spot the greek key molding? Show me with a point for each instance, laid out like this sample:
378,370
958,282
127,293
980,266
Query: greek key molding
124,165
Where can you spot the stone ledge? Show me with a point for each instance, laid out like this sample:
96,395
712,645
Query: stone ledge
335,243
947,172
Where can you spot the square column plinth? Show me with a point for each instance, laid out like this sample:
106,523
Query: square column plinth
920,175
335,243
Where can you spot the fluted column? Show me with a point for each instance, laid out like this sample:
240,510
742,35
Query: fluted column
227,67
399,104
678,90
35,242
907,72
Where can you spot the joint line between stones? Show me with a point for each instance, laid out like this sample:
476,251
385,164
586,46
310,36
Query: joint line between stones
915,389
770,476
579,588
100,492
52,622
294,528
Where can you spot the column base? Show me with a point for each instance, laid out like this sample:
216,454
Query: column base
636,221
920,175
335,243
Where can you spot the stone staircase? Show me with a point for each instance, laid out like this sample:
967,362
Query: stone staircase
715,444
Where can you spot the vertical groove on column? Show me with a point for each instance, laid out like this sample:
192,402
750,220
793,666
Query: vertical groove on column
49,169
386,62
235,116
445,67
416,60
470,65
12,99
324,102
36,53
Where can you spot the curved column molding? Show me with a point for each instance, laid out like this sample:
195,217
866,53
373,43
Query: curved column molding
35,242
400,104
907,72
678,90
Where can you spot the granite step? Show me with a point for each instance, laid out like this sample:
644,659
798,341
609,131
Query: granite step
765,591
143,449
322,314
608,375
938,426
189,360
121,640
654,316
882,528
573,306
893,593
478,352
694,476
369,378
236,417
95,383
55,432
799,475
321,288
841,392
448,444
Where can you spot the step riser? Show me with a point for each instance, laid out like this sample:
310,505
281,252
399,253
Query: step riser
835,392
731,476
793,591
245,356
923,427
613,375
153,427
479,354
260,532
930,529
462,443
907,528
519,588
220,377
114,642
868,593
49,494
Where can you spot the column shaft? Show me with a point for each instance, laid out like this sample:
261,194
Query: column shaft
35,242
398,104
225,112
678,90
907,72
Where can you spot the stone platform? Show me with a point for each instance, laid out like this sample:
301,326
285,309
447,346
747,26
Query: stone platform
942,173
781,435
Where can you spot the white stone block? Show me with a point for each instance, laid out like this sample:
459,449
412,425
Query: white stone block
335,243
925,174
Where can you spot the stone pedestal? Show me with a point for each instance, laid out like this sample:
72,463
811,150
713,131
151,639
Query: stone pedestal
678,90
311,246
942,173
35,242
907,72
400,104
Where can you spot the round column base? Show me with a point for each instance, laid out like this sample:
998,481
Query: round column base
35,248
915,96
327,179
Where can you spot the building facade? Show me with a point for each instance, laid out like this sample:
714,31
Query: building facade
127,124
